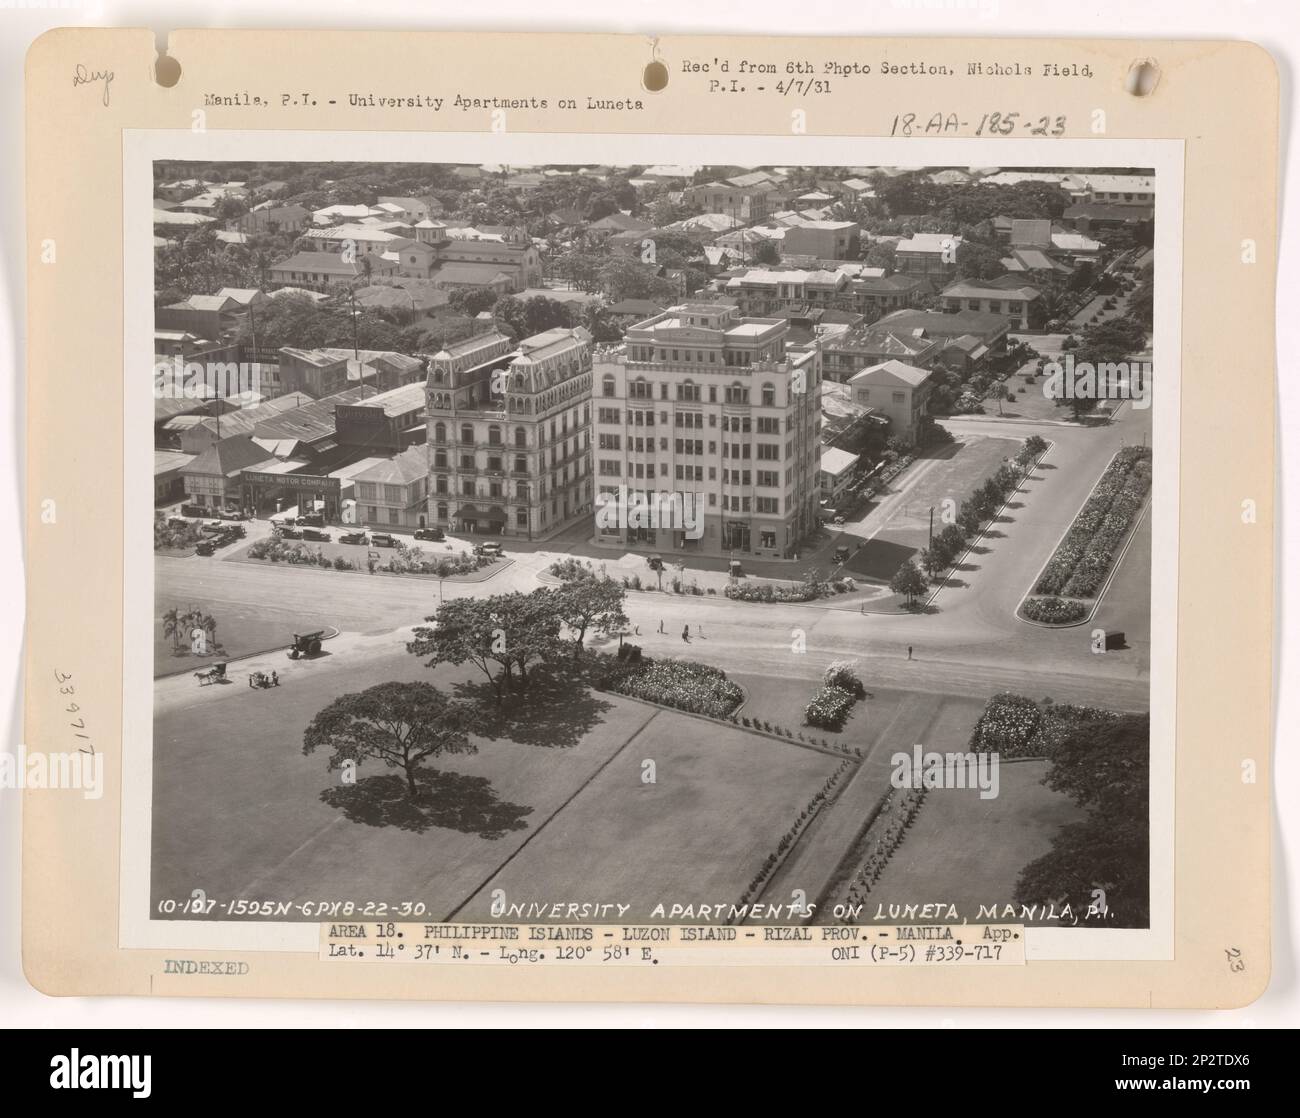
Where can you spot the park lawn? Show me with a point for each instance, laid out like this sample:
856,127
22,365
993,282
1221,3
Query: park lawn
242,630
781,701
963,850
721,800
240,812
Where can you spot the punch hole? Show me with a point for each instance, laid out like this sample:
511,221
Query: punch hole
655,76
166,71
1142,78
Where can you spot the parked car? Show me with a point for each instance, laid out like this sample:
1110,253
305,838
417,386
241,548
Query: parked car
206,547
194,510
491,550
435,534
353,537
841,554
315,534
231,514
383,539
287,533
312,520
655,562
177,522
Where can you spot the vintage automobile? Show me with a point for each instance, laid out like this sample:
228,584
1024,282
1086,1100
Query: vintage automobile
287,533
490,550
315,534
312,520
353,537
206,547
306,644
841,554
383,539
655,562
435,534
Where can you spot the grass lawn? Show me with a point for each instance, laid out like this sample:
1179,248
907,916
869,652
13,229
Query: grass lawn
242,629
241,813
781,701
968,851
721,800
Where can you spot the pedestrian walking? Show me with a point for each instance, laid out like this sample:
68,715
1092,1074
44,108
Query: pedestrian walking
909,651
699,630
275,679
686,633
661,625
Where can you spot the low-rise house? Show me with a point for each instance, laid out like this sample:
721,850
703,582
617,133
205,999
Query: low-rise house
838,239
1015,303
898,391
209,316
212,479
838,469
928,254
394,492
318,271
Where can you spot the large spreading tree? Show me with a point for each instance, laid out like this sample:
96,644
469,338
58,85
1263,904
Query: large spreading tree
400,724
1104,767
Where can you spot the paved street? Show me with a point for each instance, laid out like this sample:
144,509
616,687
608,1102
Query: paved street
972,642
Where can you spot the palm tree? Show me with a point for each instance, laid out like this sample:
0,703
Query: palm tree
171,622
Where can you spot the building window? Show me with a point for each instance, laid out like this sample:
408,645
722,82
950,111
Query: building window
467,433
521,437
439,432
442,510
769,396
607,384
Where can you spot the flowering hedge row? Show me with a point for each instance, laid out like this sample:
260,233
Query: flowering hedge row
1016,726
766,592
1054,611
683,684
1085,556
829,708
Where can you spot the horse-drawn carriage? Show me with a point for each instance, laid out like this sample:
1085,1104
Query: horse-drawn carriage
214,674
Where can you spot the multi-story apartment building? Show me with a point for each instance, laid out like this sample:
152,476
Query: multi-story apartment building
704,412
510,433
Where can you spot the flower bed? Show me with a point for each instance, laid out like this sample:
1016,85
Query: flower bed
766,592
829,708
1054,611
1016,726
1083,559
407,560
682,684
